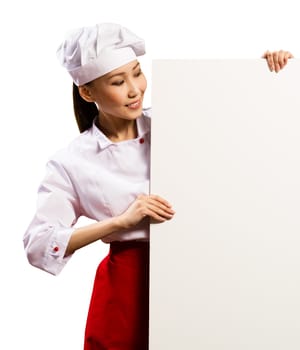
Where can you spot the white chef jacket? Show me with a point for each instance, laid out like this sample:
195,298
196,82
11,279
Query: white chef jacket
93,177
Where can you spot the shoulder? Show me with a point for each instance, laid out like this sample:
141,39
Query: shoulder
77,148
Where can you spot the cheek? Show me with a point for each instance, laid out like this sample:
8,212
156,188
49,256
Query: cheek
143,85
111,99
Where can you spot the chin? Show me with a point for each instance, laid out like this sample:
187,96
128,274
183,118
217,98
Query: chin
135,114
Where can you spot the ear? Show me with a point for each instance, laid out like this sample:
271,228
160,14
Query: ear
85,93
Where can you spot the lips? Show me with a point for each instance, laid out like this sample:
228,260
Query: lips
134,105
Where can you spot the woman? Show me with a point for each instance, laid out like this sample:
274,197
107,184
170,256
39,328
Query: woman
104,175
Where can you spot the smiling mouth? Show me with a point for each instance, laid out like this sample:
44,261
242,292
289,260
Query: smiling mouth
134,105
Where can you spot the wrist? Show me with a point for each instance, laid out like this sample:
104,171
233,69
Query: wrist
125,221
120,223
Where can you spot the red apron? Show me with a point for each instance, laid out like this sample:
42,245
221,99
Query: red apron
118,316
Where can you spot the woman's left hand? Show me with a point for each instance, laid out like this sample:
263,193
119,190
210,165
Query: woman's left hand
277,60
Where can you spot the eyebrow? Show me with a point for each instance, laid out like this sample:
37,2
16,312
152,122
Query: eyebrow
123,73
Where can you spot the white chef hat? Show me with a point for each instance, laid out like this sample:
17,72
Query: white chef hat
90,52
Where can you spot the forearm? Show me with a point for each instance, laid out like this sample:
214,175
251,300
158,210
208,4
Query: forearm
91,233
152,206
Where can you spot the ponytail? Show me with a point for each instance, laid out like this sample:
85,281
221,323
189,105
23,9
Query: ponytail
85,112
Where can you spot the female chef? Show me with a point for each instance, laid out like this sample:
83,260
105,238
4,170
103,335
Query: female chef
104,175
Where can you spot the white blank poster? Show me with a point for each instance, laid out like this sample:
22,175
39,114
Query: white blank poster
225,272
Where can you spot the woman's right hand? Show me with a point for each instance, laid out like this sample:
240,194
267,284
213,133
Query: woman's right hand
152,206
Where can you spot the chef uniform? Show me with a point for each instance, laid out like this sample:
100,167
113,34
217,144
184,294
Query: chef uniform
99,179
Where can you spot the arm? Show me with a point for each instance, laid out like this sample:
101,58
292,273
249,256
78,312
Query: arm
277,60
51,239
58,208
153,207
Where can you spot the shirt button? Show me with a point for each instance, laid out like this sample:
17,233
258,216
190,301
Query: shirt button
56,249
142,140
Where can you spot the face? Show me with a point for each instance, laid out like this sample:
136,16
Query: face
120,93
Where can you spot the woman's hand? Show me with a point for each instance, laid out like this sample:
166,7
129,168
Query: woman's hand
277,60
152,206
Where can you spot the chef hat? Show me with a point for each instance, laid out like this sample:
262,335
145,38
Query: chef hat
90,52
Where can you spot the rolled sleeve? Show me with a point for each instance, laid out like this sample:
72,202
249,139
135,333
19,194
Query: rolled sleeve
47,237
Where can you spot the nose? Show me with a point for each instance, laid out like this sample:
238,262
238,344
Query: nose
133,89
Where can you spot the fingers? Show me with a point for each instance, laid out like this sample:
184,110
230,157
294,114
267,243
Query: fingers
156,208
277,60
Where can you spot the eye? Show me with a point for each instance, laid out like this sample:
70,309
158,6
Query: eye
138,73
117,82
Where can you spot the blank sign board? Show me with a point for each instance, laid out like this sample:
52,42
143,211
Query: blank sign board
225,272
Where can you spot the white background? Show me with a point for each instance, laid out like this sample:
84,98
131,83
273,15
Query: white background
39,311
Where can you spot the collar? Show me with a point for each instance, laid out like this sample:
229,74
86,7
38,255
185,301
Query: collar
143,127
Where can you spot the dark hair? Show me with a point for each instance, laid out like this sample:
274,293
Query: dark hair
85,112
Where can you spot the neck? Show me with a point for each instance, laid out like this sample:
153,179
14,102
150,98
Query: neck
117,129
